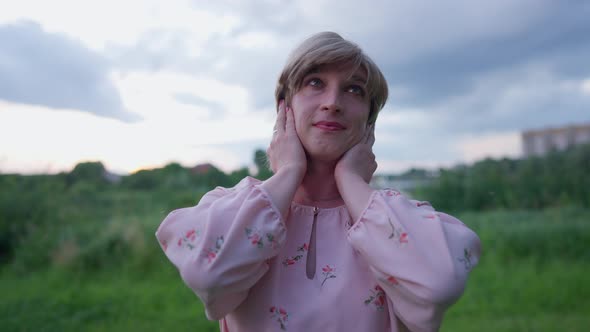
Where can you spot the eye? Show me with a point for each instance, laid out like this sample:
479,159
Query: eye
315,82
356,89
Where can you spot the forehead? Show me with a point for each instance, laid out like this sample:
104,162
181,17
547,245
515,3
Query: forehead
351,71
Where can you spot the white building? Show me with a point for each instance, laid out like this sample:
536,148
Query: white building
539,142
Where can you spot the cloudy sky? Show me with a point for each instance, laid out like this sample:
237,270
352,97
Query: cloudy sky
141,83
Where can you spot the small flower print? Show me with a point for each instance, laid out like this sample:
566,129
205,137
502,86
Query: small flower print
403,238
377,298
164,244
191,235
466,259
280,315
271,239
211,253
397,235
430,216
329,273
254,236
256,239
419,204
188,238
294,259
392,280
392,193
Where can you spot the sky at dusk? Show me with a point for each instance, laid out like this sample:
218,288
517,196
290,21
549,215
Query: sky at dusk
139,84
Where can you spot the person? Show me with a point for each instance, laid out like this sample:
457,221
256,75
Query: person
314,247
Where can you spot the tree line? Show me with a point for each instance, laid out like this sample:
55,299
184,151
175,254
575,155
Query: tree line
556,179
43,211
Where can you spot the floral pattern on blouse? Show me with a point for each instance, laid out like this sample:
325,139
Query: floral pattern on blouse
466,259
398,235
329,272
187,239
257,239
430,216
377,298
294,259
392,193
211,252
280,315
392,280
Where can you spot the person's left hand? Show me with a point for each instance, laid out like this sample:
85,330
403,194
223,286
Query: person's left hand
359,160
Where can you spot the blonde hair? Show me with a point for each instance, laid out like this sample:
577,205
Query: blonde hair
326,48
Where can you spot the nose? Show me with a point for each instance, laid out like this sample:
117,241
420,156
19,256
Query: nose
332,100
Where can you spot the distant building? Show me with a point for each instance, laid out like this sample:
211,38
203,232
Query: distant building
540,142
202,169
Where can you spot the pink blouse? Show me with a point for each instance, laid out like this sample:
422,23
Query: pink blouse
397,268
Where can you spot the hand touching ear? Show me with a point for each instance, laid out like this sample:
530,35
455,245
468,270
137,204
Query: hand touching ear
353,173
359,160
285,150
287,160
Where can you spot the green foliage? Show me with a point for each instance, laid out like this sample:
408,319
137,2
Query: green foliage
27,204
82,221
78,251
175,177
522,283
88,172
558,179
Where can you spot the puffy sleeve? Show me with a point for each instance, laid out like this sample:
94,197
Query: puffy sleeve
221,245
421,258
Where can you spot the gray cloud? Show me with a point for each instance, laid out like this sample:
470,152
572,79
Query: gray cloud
52,70
216,111
428,52
559,39
473,68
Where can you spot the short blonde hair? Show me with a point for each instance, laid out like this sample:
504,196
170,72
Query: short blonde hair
326,48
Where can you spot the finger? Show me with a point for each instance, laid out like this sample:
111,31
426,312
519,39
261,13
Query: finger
280,124
290,121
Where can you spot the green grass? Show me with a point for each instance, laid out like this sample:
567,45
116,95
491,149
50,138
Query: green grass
533,276
524,296
110,301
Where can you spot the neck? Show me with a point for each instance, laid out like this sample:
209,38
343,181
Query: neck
318,187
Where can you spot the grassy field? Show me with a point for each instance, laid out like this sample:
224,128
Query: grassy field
533,277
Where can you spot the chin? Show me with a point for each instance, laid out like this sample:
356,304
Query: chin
326,154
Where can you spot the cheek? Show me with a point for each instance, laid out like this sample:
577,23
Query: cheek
359,132
299,115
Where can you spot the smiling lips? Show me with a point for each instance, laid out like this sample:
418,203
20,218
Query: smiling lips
329,126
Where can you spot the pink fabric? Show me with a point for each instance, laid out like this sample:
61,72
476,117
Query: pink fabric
397,268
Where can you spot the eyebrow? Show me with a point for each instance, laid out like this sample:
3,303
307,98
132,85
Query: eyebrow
314,70
353,78
358,78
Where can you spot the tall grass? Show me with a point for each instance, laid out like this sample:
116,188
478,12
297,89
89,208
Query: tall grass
97,266
533,273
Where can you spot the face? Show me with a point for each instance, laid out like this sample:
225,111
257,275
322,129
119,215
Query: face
331,111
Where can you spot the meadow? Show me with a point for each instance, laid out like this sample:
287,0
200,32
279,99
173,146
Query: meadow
78,251
104,271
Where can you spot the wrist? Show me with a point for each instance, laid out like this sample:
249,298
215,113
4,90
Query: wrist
293,172
355,192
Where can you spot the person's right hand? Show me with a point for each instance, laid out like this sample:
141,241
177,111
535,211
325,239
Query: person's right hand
285,152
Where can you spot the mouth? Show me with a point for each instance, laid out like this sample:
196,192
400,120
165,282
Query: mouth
329,126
